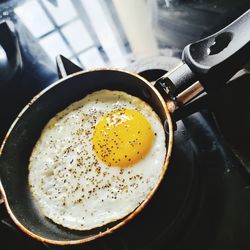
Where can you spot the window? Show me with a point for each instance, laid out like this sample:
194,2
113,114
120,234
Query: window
80,30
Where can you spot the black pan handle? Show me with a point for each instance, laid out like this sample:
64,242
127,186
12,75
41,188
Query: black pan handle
212,61
215,59
10,56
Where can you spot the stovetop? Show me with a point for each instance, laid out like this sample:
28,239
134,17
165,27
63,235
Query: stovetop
204,200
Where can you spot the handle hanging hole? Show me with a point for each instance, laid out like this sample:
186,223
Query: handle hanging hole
220,43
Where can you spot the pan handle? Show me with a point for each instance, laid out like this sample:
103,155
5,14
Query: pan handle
10,56
220,55
210,62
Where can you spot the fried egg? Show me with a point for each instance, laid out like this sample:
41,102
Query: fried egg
98,160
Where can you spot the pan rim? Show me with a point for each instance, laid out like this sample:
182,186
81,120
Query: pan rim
129,217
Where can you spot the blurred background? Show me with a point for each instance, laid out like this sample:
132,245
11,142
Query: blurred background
98,33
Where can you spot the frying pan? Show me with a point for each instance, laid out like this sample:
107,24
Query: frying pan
207,65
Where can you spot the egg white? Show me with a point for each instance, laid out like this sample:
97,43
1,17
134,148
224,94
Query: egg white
71,185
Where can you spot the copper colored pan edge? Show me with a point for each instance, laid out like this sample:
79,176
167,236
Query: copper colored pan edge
137,210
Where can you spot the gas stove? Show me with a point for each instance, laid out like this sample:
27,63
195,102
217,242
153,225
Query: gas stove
204,200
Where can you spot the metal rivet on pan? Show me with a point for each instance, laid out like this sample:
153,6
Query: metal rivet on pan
146,93
166,127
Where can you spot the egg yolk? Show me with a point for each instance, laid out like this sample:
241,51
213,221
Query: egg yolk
122,138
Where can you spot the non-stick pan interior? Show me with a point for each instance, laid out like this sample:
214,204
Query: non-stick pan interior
26,131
